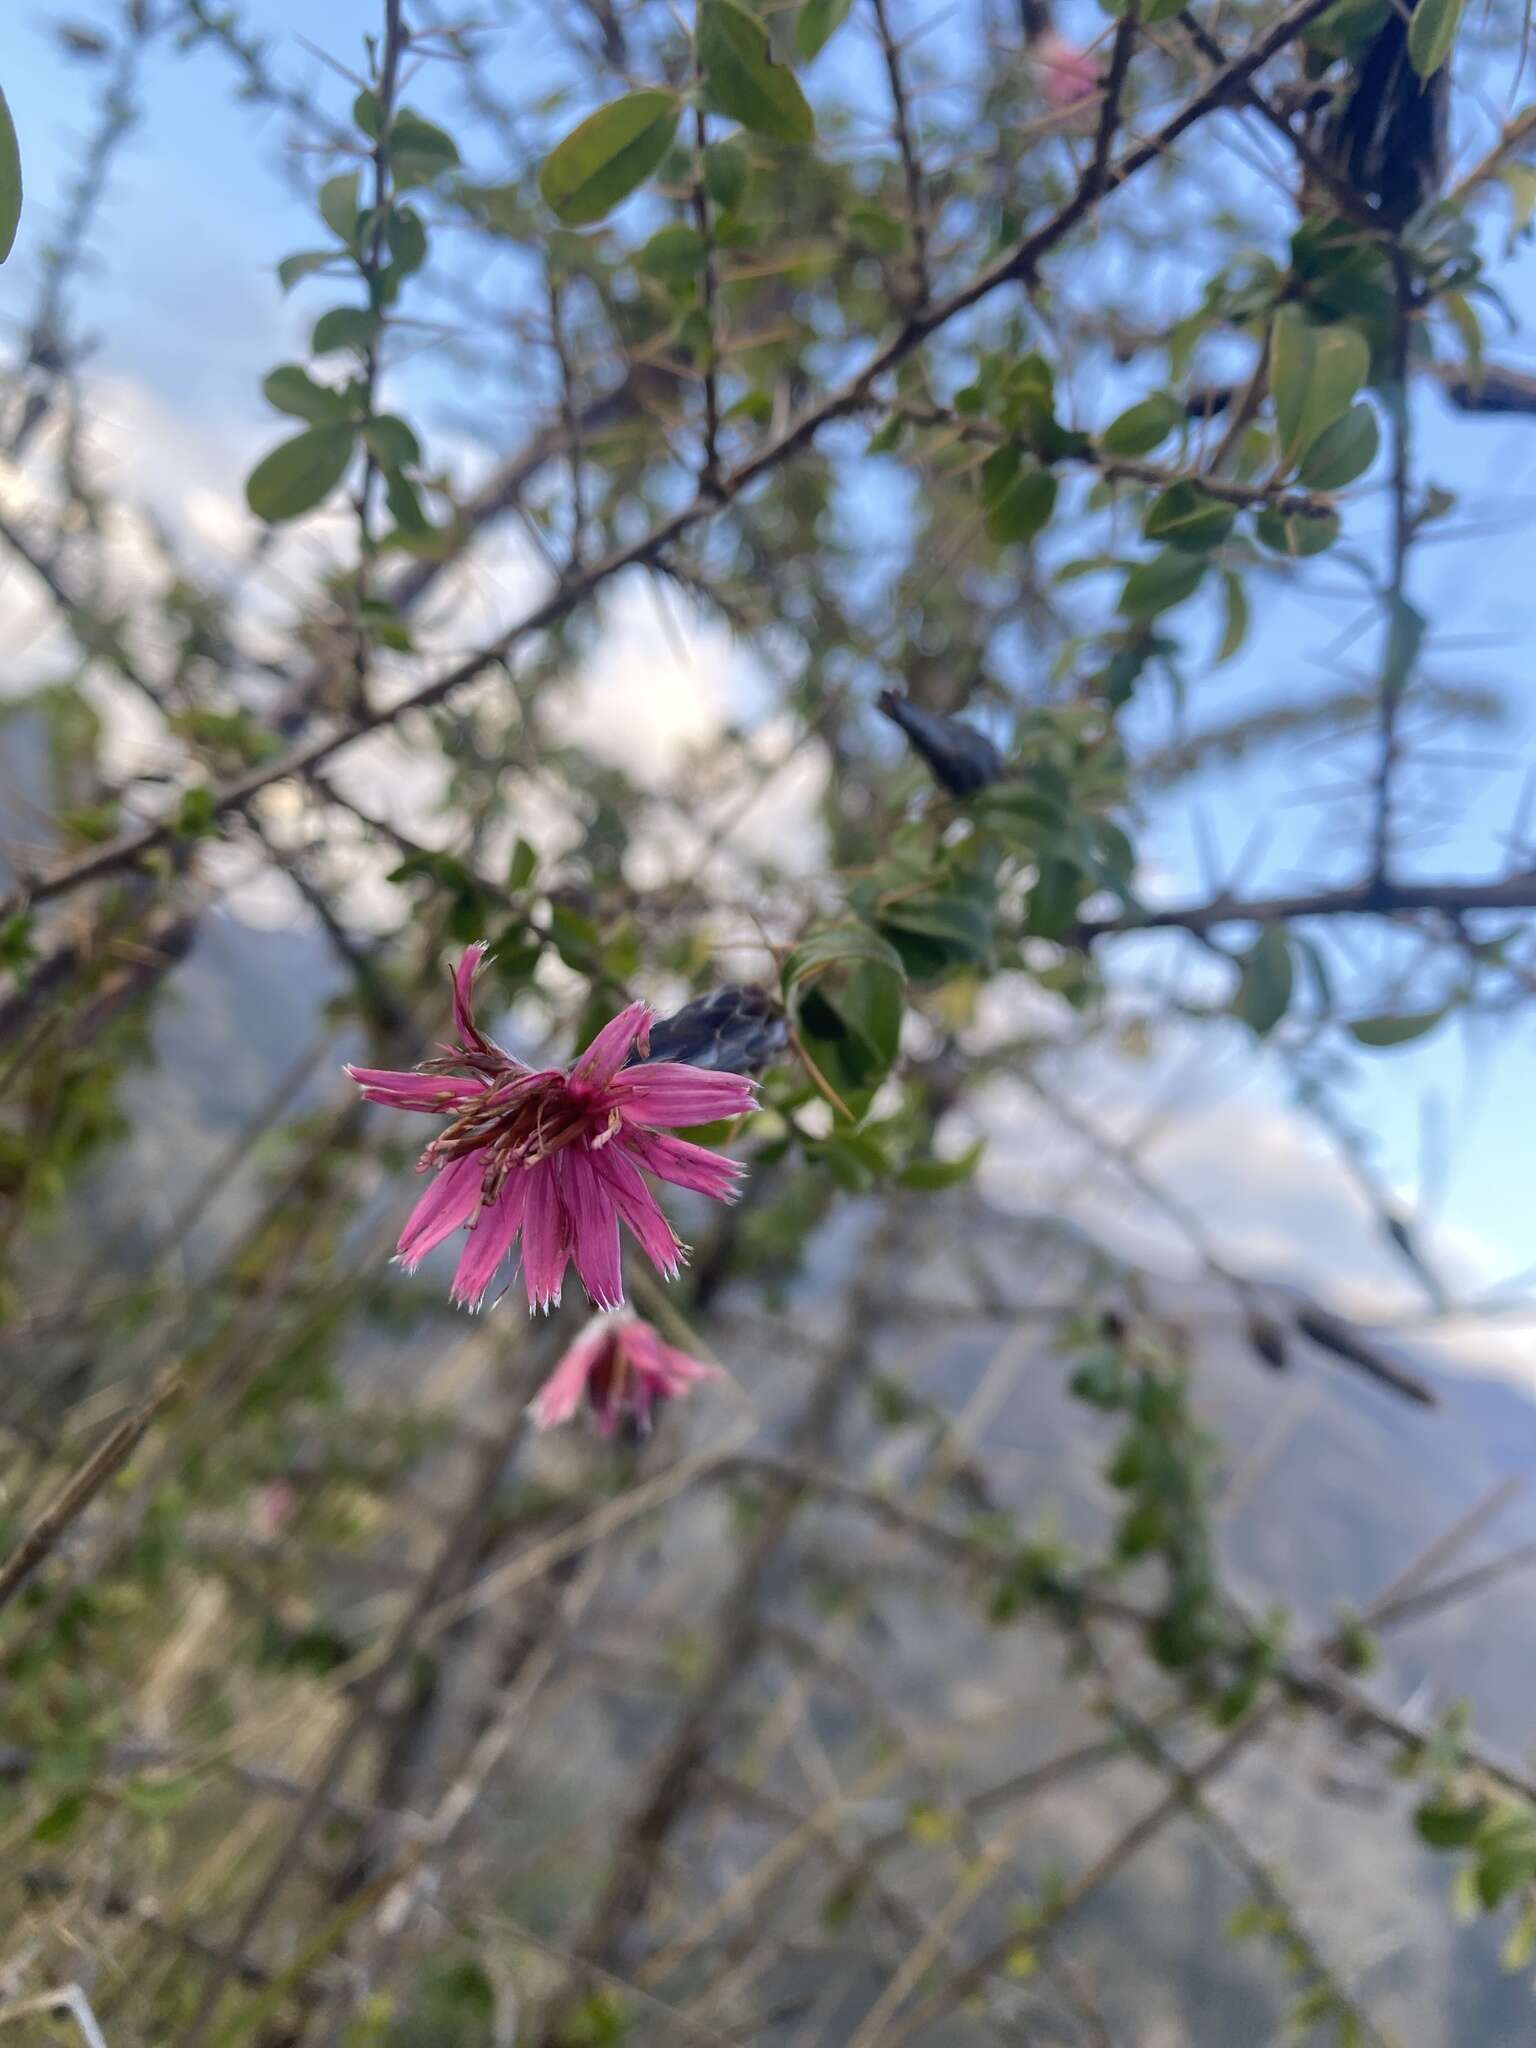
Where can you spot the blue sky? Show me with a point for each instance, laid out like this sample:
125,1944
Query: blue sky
182,296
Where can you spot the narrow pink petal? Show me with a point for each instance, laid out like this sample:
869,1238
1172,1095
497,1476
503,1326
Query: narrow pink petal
489,1242
670,1371
563,1392
545,1250
593,1224
680,1372
667,1093
450,1201
684,1164
613,1046
464,974
637,1206
434,1093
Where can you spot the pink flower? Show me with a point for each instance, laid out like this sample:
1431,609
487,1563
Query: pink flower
1068,75
620,1366
554,1154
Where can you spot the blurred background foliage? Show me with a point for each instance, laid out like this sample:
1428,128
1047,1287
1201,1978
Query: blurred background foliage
831,500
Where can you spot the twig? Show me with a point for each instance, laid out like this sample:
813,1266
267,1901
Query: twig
80,1491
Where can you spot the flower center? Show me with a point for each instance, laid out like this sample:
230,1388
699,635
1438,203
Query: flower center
522,1120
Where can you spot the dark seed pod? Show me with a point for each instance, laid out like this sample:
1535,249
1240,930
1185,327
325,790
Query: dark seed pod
961,759
730,1031
1387,132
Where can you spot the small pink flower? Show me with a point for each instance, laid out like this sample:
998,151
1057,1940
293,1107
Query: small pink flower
1068,75
622,1369
274,1504
554,1155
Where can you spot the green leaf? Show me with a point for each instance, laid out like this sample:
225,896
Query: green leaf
1432,30
942,1173
368,114
815,25
195,815
1158,585
1449,1824
877,229
1382,1032
59,1822
1139,431
1343,451
307,261
292,390
1314,372
344,327
1235,631
523,866
741,79
674,254
10,180
603,159
1264,993
843,945
405,505
339,207
1188,518
405,237
392,442
726,171
1024,505
419,150
1291,533
295,477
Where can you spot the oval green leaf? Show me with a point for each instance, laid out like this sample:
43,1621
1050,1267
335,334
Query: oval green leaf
726,170
338,204
10,180
1188,518
1382,1032
1022,506
297,476
344,327
292,390
741,79
1343,451
1432,30
1314,373
1158,585
392,442
1290,533
1139,430
815,25
674,254
1269,979
603,159
419,150
843,945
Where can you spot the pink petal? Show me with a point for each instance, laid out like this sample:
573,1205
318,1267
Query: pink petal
684,1164
450,1201
489,1242
667,1093
670,1371
562,1393
637,1206
593,1223
437,1094
612,1047
682,1372
464,974
545,1250
1069,75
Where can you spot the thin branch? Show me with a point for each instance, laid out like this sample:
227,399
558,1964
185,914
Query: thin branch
850,397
